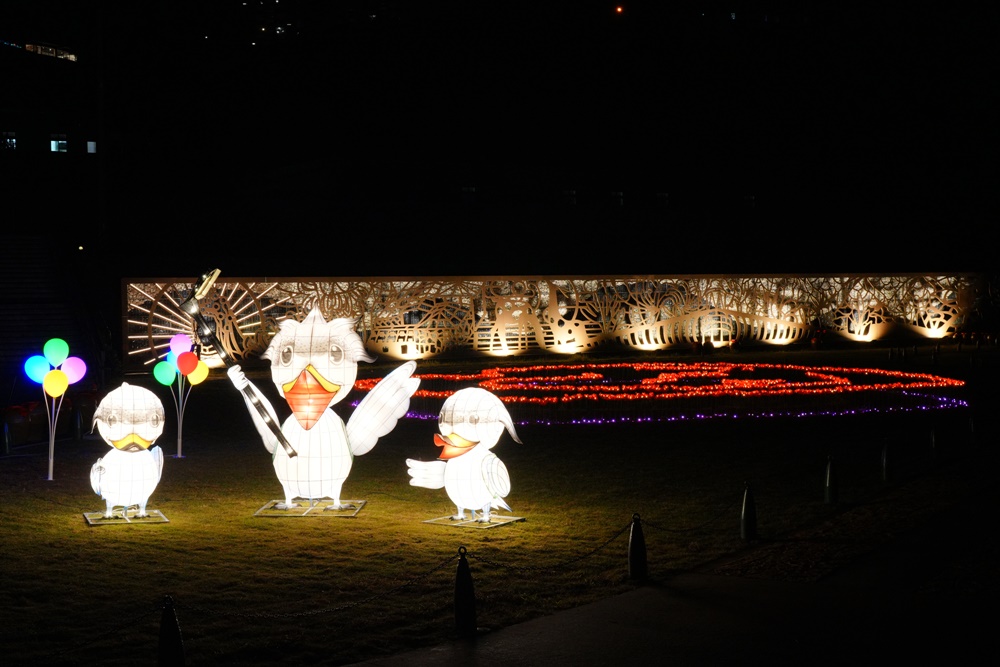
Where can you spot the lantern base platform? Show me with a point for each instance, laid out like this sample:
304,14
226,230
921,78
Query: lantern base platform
495,520
120,518
311,508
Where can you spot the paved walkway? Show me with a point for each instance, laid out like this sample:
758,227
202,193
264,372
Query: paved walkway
911,576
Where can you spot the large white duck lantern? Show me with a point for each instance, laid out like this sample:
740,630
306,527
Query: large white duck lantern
314,364
475,479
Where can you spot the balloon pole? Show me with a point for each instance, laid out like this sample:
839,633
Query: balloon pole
53,415
180,403
180,371
55,370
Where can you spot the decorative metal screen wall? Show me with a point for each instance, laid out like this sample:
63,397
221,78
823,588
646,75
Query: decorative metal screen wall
414,319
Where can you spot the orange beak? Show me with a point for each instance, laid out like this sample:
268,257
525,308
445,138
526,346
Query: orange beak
309,395
452,445
132,443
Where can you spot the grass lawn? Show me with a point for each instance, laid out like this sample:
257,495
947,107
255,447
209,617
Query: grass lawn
327,590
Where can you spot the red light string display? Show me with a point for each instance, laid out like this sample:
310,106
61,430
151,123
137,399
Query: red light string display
668,391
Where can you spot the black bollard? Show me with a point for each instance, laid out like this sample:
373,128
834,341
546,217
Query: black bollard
465,598
830,487
748,517
637,565
171,649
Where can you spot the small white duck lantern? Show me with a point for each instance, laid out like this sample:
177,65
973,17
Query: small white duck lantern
470,425
129,419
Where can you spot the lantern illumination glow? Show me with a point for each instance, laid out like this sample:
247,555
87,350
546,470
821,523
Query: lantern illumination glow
314,364
470,425
129,419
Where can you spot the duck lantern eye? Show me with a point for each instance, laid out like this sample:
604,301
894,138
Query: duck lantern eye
286,355
336,353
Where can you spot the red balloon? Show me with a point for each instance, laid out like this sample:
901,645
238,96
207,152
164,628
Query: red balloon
187,362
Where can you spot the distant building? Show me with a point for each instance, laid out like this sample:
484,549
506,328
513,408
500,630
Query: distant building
51,51
49,136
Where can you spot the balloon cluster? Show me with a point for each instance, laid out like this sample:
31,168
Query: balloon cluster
180,359
54,369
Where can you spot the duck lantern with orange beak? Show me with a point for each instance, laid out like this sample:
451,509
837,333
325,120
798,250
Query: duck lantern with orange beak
129,419
470,425
314,364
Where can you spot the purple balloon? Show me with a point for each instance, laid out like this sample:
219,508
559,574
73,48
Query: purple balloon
74,368
180,343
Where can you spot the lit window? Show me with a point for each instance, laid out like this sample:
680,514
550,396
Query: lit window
57,143
91,146
8,141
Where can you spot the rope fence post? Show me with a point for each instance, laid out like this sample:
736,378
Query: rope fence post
170,652
637,564
465,598
830,485
748,516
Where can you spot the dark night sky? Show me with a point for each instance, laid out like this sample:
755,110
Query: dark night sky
863,134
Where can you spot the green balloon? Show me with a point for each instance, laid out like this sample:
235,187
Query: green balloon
165,372
56,351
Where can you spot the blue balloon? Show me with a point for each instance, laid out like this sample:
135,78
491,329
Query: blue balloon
37,367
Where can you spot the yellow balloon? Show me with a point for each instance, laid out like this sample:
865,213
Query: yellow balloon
55,383
199,373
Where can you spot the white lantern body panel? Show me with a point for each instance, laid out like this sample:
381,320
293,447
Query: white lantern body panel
129,419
